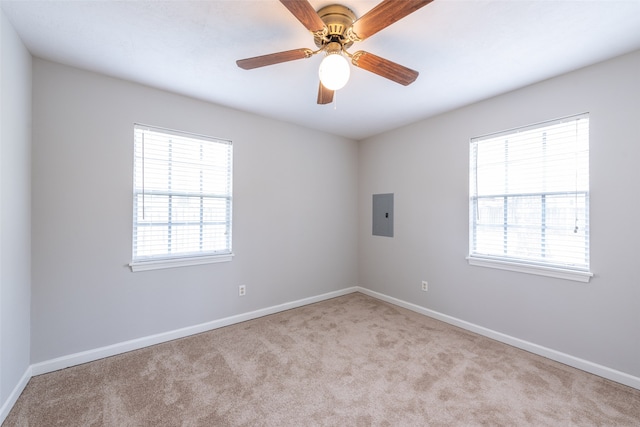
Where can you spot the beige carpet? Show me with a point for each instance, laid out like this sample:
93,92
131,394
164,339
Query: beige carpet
349,361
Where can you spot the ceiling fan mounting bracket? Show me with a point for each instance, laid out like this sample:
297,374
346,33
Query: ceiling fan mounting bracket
337,19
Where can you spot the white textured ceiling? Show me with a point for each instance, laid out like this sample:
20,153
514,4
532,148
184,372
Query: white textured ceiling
465,51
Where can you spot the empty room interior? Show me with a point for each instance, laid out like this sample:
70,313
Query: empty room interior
379,252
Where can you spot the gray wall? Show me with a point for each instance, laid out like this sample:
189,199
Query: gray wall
15,208
426,166
295,214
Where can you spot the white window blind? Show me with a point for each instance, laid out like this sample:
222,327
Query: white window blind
529,195
181,195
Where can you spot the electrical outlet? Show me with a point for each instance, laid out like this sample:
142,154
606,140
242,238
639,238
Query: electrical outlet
242,290
425,286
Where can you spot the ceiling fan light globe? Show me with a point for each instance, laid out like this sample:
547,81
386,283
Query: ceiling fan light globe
334,71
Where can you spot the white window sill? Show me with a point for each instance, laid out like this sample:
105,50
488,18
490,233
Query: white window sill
178,262
559,273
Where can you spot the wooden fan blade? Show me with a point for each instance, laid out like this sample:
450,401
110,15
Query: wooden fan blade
274,58
383,67
325,96
384,14
305,13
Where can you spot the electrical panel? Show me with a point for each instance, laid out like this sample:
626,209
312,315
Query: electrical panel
383,215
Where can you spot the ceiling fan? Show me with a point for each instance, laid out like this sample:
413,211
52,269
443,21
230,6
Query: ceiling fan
335,28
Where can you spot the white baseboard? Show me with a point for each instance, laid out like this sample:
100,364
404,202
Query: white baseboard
123,347
558,356
126,346
13,396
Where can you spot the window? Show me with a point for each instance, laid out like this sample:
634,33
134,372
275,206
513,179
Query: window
181,199
529,199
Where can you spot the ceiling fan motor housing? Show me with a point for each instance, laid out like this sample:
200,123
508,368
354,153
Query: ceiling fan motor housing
338,19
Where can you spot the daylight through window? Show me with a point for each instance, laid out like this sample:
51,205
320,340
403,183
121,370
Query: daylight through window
529,196
181,197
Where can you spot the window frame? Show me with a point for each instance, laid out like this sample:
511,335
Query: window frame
198,256
515,263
